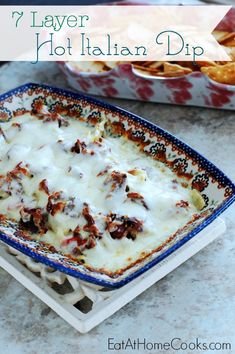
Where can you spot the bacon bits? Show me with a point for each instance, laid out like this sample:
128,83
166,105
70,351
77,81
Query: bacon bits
90,225
182,204
136,197
79,147
91,243
54,204
12,182
34,219
104,171
51,117
77,237
17,172
17,125
43,186
117,179
84,242
123,226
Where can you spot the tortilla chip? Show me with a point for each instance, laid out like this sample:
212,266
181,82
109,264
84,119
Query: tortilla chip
173,73
151,66
228,40
170,68
231,53
224,74
163,69
188,64
220,71
95,67
219,34
206,63
155,64
146,69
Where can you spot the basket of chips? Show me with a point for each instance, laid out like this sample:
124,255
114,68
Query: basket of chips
201,83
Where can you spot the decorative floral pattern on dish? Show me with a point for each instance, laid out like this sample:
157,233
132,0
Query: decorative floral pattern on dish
218,190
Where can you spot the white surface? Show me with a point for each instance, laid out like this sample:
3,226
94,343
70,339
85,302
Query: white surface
117,298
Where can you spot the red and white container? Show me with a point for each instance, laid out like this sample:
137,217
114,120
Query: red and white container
195,89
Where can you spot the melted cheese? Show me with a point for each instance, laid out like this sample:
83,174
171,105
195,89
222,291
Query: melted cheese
44,149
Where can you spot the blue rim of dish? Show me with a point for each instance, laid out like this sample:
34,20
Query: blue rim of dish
201,160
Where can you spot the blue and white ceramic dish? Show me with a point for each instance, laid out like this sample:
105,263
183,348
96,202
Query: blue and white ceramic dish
217,190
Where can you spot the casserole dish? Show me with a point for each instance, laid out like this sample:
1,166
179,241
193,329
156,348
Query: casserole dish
183,191
204,87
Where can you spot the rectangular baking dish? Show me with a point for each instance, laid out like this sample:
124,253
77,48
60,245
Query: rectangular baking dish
216,189
123,81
